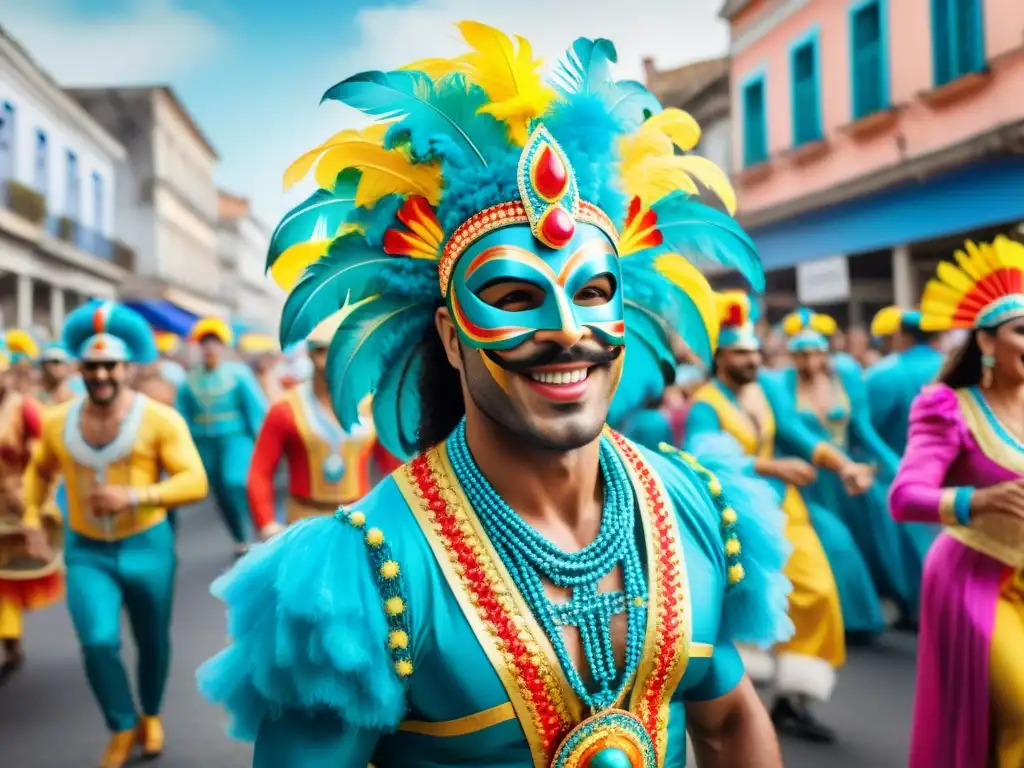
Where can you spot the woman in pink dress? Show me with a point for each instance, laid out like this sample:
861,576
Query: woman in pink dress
964,467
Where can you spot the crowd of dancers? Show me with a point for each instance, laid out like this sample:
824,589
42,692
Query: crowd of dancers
471,567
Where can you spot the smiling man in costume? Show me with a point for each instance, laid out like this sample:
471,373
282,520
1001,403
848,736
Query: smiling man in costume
224,408
60,380
112,448
532,588
327,465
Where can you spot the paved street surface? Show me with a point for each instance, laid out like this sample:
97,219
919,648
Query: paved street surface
48,719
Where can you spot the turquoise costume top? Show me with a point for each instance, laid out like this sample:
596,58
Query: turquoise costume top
227,400
413,629
893,383
173,373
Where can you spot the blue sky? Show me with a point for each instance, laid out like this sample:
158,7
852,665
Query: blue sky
251,72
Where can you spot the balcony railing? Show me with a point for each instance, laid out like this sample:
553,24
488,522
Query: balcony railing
30,205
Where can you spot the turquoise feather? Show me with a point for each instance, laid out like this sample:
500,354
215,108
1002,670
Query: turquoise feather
396,404
630,103
356,357
645,324
319,215
424,108
699,232
345,275
586,67
643,380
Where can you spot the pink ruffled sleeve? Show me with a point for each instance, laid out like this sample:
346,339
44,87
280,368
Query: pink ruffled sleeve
936,438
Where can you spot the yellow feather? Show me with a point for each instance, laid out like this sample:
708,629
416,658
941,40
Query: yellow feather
290,265
677,124
437,68
711,176
689,279
656,177
21,341
511,78
957,279
886,322
384,172
373,134
823,324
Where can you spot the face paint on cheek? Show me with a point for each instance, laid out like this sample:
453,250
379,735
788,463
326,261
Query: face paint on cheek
499,374
617,369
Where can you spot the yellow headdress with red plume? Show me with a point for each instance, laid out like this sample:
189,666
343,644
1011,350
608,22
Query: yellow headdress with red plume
736,315
983,289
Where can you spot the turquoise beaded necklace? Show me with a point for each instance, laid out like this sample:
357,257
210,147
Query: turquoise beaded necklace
531,559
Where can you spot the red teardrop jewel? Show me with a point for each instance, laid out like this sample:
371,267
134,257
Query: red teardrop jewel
557,228
550,177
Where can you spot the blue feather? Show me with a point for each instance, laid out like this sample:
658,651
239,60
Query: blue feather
643,380
630,103
345,275
425,109
355,359
323,211
586,67
396,403
645,324
698,232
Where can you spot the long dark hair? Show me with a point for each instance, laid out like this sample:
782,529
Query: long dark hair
963,367
440,389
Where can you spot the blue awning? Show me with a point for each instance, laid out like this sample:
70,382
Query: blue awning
164,316
972,197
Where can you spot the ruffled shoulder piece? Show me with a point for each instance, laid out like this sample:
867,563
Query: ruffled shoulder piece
938,404
317,620
752,524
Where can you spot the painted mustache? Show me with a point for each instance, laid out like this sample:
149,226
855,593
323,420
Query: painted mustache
553,354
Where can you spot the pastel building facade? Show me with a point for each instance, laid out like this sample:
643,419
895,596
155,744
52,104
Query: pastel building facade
870,137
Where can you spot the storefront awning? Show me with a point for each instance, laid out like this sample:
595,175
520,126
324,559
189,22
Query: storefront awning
164,316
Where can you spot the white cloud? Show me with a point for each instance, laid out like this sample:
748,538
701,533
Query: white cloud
672,32
150,41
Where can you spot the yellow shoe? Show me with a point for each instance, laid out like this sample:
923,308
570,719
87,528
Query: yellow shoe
119,749
151,734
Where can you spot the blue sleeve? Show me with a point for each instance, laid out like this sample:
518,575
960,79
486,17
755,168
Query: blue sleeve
253,401
789,427
701,418
724,673
310,634
184,406
301,740
863,430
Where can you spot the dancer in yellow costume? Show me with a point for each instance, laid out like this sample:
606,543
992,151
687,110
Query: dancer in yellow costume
742,402
119,545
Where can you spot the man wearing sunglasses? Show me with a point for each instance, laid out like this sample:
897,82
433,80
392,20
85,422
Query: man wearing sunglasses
125,459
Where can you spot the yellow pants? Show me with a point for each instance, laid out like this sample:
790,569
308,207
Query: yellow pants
11,623
1006,677
806,663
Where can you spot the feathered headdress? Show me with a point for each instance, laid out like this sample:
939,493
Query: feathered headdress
736,315
889,320
109,332
212,326
21,346
400,201
808,331
984,289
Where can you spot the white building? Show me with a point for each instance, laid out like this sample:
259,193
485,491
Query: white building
242,241
57,192
166,203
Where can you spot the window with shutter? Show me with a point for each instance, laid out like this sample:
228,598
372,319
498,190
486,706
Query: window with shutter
755,130
806,107
869,59
958,39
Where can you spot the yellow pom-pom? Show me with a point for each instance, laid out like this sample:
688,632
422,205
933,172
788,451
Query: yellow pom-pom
403,668
736,573
714,487
728,516
732,547
358,519
375,537
394,606
389,570
398,639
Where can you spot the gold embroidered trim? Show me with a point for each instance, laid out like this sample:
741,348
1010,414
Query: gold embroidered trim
462,726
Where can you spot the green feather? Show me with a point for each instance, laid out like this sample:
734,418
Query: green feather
357,353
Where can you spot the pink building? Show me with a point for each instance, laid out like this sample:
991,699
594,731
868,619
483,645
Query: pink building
869,136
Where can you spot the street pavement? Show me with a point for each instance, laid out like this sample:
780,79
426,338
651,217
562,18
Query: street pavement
48,718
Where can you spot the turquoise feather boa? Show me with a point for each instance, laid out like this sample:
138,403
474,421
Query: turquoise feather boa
308,633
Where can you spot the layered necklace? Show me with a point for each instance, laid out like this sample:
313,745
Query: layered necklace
532,560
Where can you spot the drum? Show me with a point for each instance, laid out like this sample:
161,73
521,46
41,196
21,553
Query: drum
16,564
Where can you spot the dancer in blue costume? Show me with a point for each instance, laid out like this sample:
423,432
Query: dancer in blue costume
826,391
892,384
119,547
746,403
531,589
224,408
